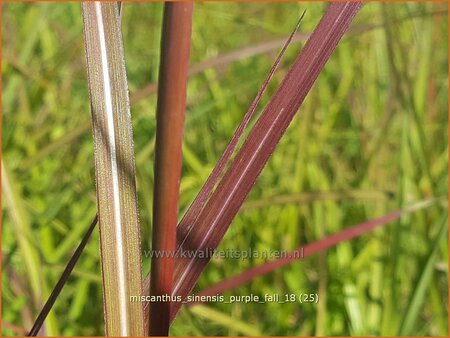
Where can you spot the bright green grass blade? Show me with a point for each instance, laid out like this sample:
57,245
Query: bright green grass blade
22,229
418,296
225,320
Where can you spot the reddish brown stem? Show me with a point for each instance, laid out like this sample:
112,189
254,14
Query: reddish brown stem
175,46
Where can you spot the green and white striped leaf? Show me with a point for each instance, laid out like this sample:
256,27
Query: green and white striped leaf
115,169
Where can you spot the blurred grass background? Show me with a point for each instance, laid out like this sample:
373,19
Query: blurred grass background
370,138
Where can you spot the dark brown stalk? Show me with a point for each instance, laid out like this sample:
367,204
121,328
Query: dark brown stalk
218,212
170,112
310,249
62,280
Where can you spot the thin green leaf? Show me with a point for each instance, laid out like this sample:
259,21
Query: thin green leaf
418,296
225,320
22,231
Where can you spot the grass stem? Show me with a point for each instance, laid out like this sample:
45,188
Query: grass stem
170,115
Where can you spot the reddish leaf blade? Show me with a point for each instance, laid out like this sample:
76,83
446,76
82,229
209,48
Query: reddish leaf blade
194,210
219,211
310,249
198,203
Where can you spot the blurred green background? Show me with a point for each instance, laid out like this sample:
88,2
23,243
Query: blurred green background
370,138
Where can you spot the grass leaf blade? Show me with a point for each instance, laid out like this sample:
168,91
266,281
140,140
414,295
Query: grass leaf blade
198,203
418,295
310,249
219,211
115,169
225,320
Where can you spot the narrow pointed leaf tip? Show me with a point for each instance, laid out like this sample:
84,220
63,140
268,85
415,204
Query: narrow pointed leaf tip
202,196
